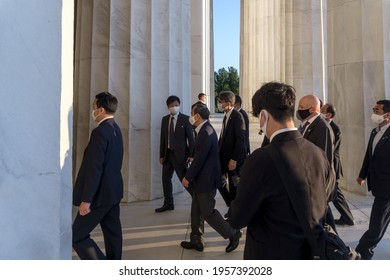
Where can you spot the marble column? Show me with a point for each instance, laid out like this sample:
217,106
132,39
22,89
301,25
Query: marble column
36,129
358,71
282,41
202,51
141,52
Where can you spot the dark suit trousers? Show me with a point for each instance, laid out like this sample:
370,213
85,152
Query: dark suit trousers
342,206
85,247
379,221
171,165
203,206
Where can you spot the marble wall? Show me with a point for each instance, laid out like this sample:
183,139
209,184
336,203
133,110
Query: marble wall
141,52
36,129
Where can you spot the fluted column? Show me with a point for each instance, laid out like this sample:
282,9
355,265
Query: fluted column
282,41
141,52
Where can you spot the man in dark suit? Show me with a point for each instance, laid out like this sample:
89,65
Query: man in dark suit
317,130
176,146
204,176
232,144
99,186
262,203
328,111
376,168
238,108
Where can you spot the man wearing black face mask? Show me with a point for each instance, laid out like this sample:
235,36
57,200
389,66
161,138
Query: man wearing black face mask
317,130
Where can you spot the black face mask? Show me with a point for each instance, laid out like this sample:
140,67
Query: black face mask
303,114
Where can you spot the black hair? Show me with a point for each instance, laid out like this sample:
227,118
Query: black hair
277,98
202,111
172,99
227,96
330,109
201,95
238,100
386,105
107,101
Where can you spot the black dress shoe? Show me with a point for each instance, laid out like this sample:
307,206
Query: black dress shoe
234,241
165,207
343,223
198,246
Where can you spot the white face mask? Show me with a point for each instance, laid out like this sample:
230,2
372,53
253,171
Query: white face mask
377,119
174,110
264,127
220,108
192,120
93,115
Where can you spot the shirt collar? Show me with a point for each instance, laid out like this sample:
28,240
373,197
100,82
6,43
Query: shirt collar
229,113
384,128
281,131
197,129
106,118
311,120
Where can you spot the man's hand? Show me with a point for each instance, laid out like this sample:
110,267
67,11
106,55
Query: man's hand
162,161
185,182
84,208
360,181
232,165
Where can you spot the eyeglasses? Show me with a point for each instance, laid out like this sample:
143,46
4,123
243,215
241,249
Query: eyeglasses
377,110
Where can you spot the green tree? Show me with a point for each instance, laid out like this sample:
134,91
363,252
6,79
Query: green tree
226,80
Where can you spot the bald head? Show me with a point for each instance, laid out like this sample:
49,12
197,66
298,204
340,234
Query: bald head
311,104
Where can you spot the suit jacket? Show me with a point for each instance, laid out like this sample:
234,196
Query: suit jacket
320,133
246,121
262,203
232,142
336,155
183,138
376,167
204,173
99,180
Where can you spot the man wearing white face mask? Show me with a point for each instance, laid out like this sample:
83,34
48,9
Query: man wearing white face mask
262,203
176,147
376,168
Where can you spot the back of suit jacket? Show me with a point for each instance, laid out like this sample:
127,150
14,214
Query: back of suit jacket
205,172
183,138
232,142
99,180
337,142
320,134
376,166
262,203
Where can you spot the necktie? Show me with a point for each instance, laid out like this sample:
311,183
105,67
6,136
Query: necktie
223,125
171,133
301,128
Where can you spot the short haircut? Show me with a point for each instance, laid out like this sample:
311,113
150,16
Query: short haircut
107,101
227,96
277,98
202,111
386,105
200,95
238,100
330,109
172,99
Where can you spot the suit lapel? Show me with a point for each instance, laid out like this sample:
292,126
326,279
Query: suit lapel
381,141
310,128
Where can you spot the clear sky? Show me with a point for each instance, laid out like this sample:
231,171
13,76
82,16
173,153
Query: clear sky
226,34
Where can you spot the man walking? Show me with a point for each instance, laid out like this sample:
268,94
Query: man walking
204,176
376,169
99,186
176,146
